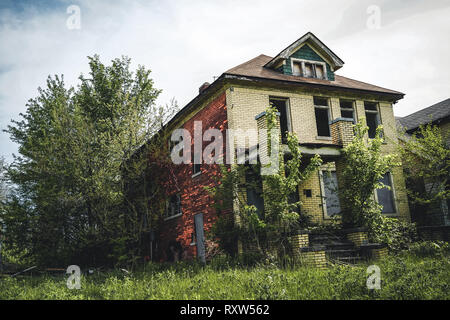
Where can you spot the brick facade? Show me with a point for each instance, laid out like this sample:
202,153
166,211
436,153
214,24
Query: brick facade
194,198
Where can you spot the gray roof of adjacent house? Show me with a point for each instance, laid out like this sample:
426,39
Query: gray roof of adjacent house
435,113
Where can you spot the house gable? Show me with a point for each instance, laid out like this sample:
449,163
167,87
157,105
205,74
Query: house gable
306,49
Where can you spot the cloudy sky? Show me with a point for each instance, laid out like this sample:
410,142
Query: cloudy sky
187,42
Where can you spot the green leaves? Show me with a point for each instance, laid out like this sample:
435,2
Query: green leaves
74,146
363,166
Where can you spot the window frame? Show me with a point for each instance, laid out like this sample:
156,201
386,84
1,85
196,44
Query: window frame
394,197
194,166
302,68
168,206
330,116
352,109
323,197
287,110
377,114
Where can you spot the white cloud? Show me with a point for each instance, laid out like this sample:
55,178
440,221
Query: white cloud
186,43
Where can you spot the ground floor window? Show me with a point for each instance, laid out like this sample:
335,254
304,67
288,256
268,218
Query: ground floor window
330,194
385,196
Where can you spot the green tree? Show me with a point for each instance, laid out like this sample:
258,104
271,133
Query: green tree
364,164
69,203
426,158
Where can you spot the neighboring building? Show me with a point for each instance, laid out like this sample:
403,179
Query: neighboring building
314,102
439,115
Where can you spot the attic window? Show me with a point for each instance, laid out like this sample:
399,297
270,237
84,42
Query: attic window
308,69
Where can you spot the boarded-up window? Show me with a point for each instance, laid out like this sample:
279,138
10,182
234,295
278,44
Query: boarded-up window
385,196
308,70
319,71
297,69
322,116
330,190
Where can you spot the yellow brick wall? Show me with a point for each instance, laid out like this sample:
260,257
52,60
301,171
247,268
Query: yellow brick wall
358,238
244,103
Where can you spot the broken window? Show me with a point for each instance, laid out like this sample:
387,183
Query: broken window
372,117
385,196
347,109
322,112
282,106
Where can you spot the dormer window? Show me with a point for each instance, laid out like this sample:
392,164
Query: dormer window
308,69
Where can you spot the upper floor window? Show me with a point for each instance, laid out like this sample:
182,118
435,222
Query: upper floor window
282,106
322,112
372,117
196,164
347,109
174,205
309,69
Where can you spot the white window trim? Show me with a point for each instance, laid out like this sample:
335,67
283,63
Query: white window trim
303,61
394,195
197,174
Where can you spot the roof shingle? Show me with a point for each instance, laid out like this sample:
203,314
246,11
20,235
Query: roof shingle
255,68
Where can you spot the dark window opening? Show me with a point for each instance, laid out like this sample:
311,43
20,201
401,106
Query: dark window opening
196,167
347,110
372,118
253,183
282,107
307,193
386,196
174,205
322,122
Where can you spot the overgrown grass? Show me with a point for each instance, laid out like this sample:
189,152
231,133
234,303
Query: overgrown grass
405,276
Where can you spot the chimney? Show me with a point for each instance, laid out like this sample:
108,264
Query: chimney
203,87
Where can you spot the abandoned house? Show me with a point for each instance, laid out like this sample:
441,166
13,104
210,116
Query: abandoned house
313,102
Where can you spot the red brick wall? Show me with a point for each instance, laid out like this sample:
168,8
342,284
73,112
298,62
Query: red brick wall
194,198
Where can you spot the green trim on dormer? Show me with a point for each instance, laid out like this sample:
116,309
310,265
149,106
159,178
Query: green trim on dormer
305,53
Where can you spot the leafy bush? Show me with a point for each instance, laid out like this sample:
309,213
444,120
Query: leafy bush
430,249
397,234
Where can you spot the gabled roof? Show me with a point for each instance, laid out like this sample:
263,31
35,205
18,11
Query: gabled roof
435,113
255,68
309,38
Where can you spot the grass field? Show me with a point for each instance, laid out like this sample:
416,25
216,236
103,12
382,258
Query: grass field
402,277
